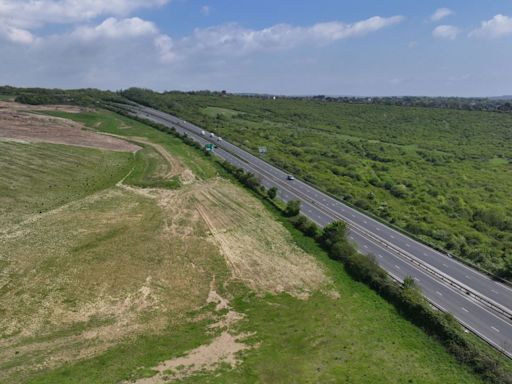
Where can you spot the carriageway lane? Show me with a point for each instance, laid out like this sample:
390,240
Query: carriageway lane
471,314
481,284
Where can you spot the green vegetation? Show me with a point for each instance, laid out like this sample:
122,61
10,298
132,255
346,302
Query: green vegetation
442,175
150,170
407,299
112,123
36,178
95,256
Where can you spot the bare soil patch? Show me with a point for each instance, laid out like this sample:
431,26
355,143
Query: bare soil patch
259,250
18,123
223,349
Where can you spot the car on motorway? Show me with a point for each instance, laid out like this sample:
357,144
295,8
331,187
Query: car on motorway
212,134
219,138
290,177
203,133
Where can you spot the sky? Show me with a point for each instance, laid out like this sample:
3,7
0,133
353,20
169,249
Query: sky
329,47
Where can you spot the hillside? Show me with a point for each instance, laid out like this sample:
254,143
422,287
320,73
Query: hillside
152,266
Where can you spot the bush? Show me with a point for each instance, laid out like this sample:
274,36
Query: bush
272,193
333,233
292,208
306,226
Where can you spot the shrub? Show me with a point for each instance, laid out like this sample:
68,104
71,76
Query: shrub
292,208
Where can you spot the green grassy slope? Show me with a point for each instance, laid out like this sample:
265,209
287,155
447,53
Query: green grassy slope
36,178
356,338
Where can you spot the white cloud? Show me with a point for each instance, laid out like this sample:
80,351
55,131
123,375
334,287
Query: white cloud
498,26
441,13
117,52
113,28
16,35
36,13
234,39
205,10
165,47
447,32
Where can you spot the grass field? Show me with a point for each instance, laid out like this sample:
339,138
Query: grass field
443,175
108,284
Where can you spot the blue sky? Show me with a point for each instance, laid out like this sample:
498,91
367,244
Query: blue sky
368,47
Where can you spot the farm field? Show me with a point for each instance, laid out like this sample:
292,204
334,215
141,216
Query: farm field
442,175
152,266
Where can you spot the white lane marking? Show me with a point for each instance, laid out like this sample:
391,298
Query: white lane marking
364,221
416,279
366,246
439,293
445,265
408,245
392,236
495,329
353,215
467,277
492,290
425,254
379,255
397,267
464,309
351,237
378,229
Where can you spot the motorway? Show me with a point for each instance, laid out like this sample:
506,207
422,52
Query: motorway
479,303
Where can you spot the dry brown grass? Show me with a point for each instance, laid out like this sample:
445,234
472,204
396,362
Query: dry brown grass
17,123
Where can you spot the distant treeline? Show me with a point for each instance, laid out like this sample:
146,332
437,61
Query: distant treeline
90,96
84,97
471,104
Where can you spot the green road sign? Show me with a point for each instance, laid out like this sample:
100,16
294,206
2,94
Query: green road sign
209,147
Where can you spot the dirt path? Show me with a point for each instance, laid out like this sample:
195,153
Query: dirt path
177,169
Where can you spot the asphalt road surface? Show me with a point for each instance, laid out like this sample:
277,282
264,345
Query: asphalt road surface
479,303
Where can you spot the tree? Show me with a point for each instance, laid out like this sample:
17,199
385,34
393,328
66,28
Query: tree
272,193
292,208
333,233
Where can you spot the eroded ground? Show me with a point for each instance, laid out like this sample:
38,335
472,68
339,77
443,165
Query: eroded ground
19,122
125,261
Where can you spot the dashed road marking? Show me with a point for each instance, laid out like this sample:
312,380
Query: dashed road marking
380,255
392,236
439,293
464,309
397,267
492,290
495,329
